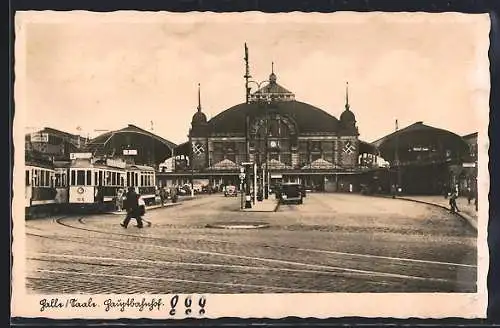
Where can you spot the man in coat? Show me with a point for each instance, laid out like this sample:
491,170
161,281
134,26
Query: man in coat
131,205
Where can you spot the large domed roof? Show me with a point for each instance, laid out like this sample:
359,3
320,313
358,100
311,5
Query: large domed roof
308,118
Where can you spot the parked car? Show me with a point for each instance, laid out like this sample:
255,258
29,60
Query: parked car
291,193
230,191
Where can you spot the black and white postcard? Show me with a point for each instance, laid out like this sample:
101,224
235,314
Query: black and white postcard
252,165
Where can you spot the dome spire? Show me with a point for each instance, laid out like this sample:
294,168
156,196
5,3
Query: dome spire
199,97
347,106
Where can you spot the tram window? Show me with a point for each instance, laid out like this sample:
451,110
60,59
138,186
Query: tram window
142,180
80,177
58,180
96,178
37,178
42,178
89,177
136,179
113,178
47,179
27,177
73,178
64,180
100,178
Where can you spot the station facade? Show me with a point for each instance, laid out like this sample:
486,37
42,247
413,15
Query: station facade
285,140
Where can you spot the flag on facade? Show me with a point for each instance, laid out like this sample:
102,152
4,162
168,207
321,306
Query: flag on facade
198,148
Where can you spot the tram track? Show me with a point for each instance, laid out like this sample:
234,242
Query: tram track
311,267
294,248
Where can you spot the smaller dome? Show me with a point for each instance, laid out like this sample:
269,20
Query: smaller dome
272,78
347,116
199,118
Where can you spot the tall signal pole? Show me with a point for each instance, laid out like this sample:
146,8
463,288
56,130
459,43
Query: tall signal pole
396,157
247,75
153,160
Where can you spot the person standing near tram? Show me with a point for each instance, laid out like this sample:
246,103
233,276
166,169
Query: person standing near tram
131,205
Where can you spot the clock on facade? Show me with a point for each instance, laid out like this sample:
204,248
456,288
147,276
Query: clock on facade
273,144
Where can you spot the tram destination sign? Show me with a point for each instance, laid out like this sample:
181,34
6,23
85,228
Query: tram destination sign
80,155
468,164
116,163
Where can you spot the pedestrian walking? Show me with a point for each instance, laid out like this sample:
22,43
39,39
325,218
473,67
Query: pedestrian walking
119,199
453,202
99,198
393,191
469,195
131,205
475,199
163,195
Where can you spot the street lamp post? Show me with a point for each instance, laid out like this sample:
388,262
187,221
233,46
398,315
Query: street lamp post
266,102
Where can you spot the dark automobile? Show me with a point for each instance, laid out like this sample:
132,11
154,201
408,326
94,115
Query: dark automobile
291,193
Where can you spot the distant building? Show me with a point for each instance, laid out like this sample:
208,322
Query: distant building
471,140
54,143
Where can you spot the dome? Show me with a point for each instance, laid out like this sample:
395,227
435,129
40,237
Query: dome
347,116
309,119
199,118
272,78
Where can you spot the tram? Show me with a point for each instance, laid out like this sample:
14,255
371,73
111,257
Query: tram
93,184
143,179
39,187
84,184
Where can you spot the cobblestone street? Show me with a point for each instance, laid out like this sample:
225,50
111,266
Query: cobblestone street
331,243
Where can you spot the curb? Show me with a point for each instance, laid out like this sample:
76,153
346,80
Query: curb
273,210
465,217
238,226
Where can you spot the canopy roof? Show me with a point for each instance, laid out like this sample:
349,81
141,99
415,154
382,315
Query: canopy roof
103,138
419,134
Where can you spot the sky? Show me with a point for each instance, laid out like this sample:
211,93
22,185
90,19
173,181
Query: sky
101,72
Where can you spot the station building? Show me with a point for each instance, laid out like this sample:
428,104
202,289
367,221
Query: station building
288,140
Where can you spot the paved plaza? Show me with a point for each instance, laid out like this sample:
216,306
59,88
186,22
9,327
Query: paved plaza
331,243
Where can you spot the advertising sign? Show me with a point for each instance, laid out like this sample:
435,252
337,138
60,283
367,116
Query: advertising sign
469,165
39,137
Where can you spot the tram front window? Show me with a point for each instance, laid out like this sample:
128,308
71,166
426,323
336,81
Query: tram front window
80,177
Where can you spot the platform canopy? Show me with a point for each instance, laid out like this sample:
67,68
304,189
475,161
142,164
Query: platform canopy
144,146
418,142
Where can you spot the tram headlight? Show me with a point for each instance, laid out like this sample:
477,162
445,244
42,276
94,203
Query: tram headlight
80,190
